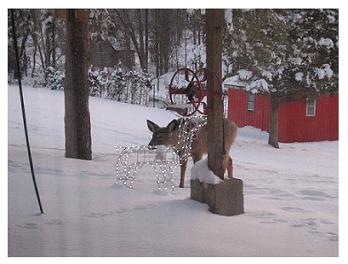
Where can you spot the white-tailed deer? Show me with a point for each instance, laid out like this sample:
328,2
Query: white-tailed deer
169,136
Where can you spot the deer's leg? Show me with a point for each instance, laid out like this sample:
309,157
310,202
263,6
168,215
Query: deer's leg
230,168
182,174
228,164
196,157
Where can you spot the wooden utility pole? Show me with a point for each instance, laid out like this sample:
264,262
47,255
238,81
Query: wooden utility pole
76,89
225,198
214,28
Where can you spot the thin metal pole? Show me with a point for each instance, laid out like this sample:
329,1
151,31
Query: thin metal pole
23,110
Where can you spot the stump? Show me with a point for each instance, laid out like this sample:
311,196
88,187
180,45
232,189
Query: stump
225,198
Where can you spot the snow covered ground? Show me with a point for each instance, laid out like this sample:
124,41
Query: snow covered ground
291,194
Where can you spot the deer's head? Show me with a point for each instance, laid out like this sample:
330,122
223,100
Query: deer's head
163,135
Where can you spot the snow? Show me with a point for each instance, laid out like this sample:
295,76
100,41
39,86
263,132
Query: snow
252,86
258,85
163,81
201,172
331,18
161,153
234,81
324,71
245,75
296,60
320,73
299,76
190,54
291,193
228,16
326,42
268,75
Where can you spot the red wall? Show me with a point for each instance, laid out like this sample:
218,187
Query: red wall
237,110
294,125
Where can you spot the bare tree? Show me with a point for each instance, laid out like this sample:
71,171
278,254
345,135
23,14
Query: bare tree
22,21
125,17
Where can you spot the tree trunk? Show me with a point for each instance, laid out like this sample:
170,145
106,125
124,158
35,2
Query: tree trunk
177,39
44,43
34,33
194,31
157,55
141,39
165,39
77,118
54,42
43,65
185,54
129,62
158,43
47,46
34,60
127,24
22,53
214,25
146,40
199,28
273,122
22,48
25,63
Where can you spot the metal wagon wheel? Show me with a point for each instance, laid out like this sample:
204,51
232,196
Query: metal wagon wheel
185,89
202,75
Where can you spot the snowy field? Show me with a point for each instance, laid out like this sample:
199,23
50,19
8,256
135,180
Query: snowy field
291,194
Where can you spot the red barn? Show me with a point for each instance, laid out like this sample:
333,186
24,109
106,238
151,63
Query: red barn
310,119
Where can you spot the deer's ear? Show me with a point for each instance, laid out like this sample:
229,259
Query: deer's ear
172,125
152,126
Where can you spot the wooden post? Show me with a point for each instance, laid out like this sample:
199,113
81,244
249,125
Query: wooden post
214,27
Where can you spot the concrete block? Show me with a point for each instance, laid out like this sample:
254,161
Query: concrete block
198,191
225,198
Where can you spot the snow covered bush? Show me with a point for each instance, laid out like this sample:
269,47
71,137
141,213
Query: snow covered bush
55,79
138,87
99,81
93,76
116,84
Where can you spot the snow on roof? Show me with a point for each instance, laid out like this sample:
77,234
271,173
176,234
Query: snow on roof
244,74
235,81
260,85
241,79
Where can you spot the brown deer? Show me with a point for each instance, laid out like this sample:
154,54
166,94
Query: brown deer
168,136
